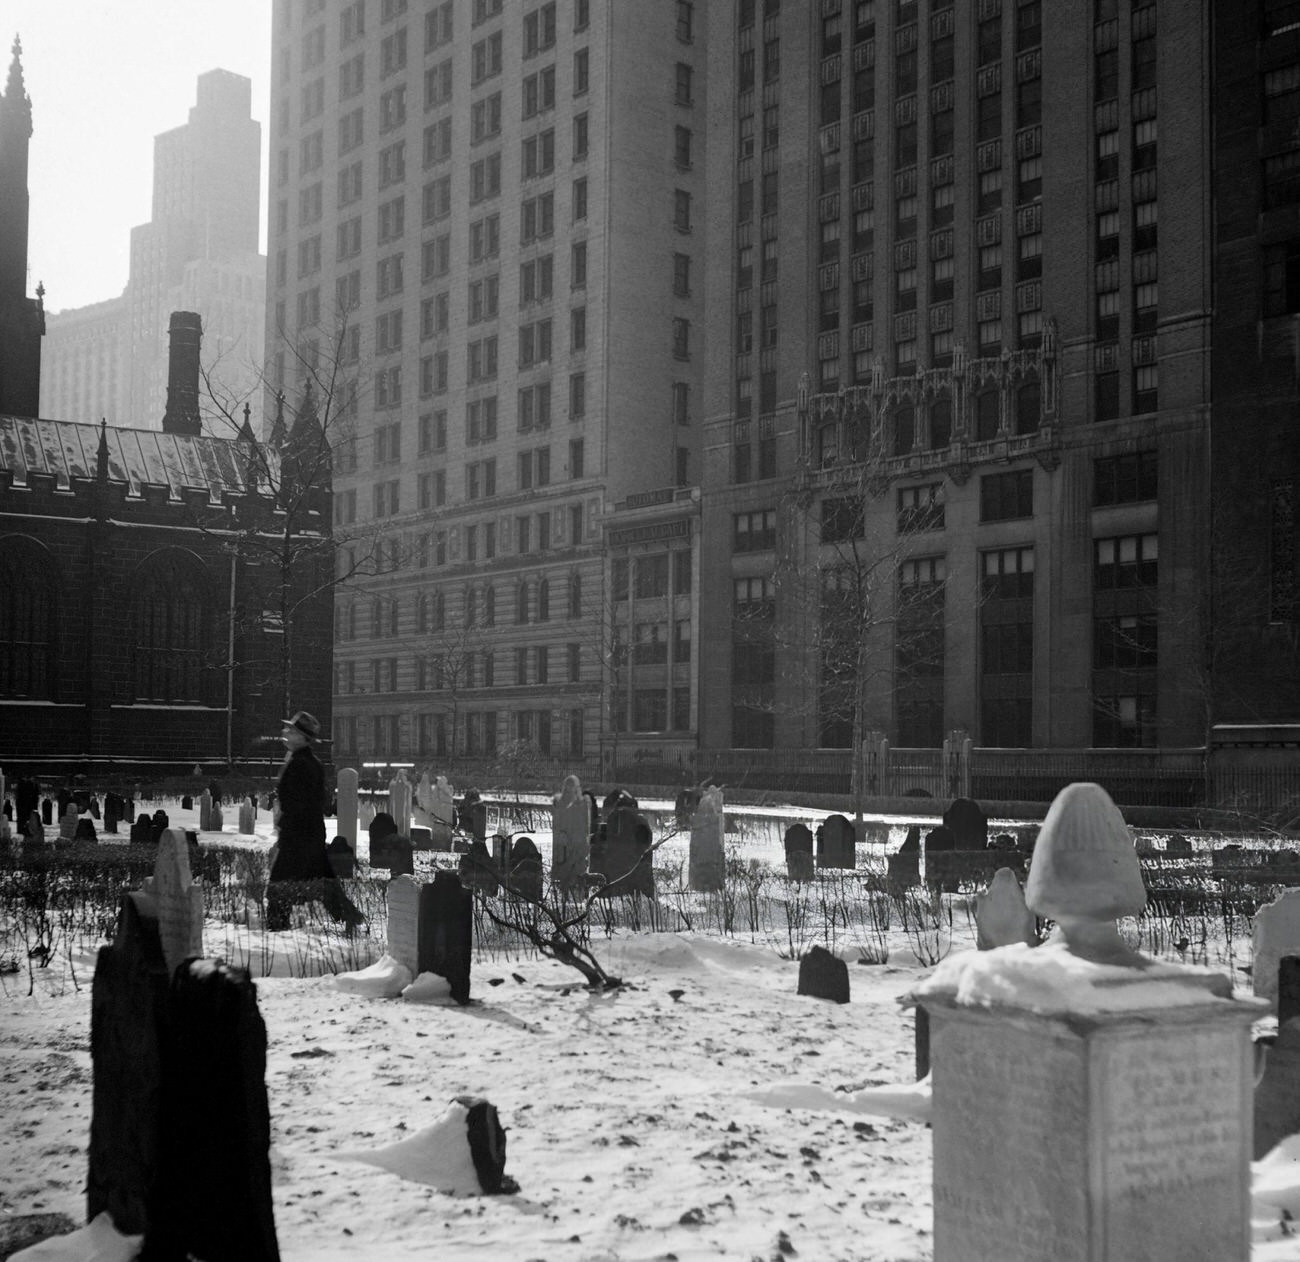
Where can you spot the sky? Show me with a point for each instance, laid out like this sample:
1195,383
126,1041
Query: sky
105,78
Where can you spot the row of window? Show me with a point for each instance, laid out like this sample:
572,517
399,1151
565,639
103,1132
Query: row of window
477,733
462,669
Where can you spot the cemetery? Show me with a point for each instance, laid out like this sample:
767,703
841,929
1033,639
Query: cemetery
602,1027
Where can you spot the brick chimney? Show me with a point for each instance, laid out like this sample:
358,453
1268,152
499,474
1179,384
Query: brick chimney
185,332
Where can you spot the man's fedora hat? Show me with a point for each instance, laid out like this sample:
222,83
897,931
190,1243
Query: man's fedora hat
307,724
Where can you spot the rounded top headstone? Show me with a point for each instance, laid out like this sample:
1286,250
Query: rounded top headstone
1084,866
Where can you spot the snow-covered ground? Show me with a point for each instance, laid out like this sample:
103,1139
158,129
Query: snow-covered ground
703,1111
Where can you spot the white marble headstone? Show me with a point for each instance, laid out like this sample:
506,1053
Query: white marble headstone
404,922
178,898
570,833
1001,917
1277,933
707,858
347,815
247,818
399,803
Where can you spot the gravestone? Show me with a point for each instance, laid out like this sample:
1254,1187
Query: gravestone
1001,917
421,838
217,818
94,807
127,1013
177,900
68,823
446,932
623,855
247,817
1277,1090
393,852
525,869
214,1193
571,824
399,802
35,835
187,804
477,870
343,859
141,830
205,811
707,859
366,812
684,808
471,815
968,823
381,826
1178,844
346,819
85,830
1114,1090
443,809
836,843
799,852
47,811
158,824
404,922
824,976
1277,934
501,854
112,812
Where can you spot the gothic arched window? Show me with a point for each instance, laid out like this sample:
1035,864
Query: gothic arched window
174,629
28,620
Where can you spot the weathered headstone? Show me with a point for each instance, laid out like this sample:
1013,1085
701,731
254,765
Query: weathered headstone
35,835
217,818
404,922
836,843
346,819
47,811
1001,917
141,830
968,823
399,802
394,853
381,826
525,869
477,869
421,838
247,817
501,847
94,807
1134,1075
343,859
85,830
205,811
623,856
68,823
443,810
446,932
366,811
1277,934
1277,1090
707,858
112,812
214,1193
177,900
571,825
187,804
824,976
158,824
471,815
799,852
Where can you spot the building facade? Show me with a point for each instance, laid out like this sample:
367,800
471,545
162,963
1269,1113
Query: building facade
198,252
487,221
959,378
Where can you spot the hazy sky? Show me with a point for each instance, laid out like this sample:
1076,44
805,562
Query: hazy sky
105,78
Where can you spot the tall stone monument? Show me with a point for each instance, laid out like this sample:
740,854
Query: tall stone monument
707,861
347,819
571,824
399,802
1114,1089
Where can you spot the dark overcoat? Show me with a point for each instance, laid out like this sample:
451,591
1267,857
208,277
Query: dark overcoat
301,797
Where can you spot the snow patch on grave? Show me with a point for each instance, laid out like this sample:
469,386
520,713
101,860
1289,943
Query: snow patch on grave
438,1156
384,979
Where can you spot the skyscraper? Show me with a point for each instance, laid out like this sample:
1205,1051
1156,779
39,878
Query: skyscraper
489,217
197,253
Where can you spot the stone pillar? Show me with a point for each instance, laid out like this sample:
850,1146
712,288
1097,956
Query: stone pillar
347,819
707,862
1115,1090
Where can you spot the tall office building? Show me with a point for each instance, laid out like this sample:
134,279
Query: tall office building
489,217
197,253
959,373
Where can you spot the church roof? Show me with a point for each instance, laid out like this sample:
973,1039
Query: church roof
69,449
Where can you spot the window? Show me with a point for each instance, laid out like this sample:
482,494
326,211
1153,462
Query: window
1282,278
581,71
684,93
754,597
392,164
1126,561
842,520
539,92
485,178
537,218
485,58
539,30
392,220
481,420
578,329
682,147
685,20
480,479
481,359
388,332
577,396
485,119
535,406
538,154
485,239
682,210
392,52
920,508
754,531
579,199
681,338
534,343
1005,496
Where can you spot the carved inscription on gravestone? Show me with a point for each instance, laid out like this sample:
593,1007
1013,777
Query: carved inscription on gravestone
1173,1140
1020,1094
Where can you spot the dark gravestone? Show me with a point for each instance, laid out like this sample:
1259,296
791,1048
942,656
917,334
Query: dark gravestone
394,853
476,868
688,800
112,812
939,838
968,823
64,797
938,842
142,830
127,1015
824,976
836,843
421,838
617,800
1178,844
471,815
445,940
1288,989
623,855
501,847
343,859
94,807
903,868
912,842
1277,1090
158,824
922,1034
187,803
381,826
35,829
85,830
214,1197
487,1143
47,811
799,852
525,870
